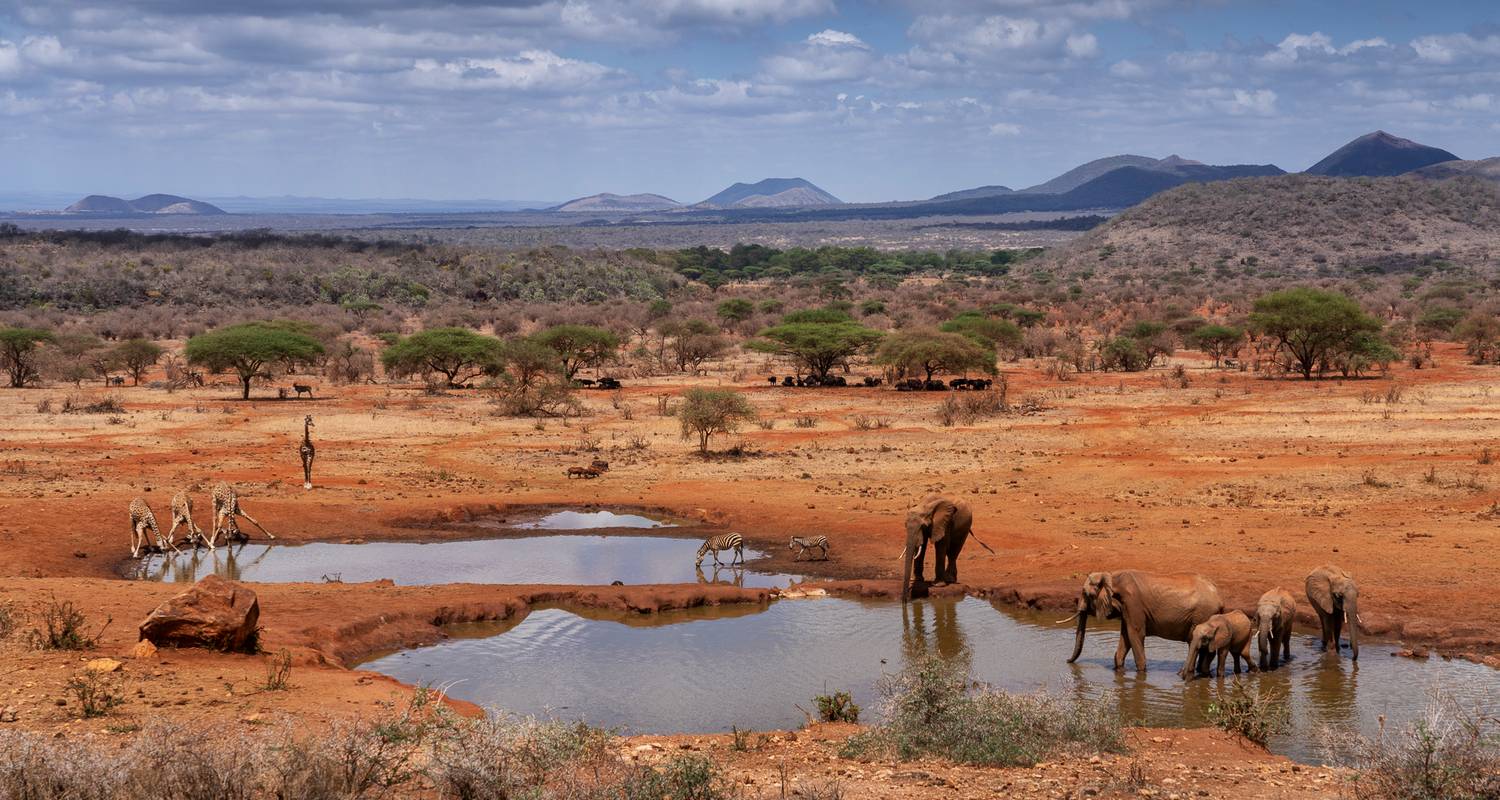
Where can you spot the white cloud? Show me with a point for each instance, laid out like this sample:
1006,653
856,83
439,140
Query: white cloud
1084,45
833,38
1446,49
1005,129
530,71
1296,46
10,59
822,57
1258,102
1127,69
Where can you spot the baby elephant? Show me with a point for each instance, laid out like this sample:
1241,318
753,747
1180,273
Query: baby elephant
1273,624
1224,634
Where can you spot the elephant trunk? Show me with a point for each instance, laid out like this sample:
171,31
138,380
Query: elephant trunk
1083,621
1189,667
1263,642
1351,612
906,557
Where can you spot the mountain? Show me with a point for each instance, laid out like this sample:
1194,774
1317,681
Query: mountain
293,204
970,194
772,193
1485,169
105,205
172,204
101,204
618,202
1295,226
1079,175
1379,154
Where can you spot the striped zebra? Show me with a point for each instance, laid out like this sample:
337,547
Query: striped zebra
802,544
726,541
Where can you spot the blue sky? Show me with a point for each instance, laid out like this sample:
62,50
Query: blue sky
870,99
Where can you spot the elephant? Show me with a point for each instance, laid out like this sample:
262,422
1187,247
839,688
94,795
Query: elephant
1274,614
1224,635
1168,606
1335,597
947,522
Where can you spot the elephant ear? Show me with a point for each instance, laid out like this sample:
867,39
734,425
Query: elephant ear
1221,637
942,512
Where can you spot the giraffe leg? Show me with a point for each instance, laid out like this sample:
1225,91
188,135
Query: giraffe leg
242,513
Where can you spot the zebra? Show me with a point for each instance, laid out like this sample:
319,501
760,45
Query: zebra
804,543
726,541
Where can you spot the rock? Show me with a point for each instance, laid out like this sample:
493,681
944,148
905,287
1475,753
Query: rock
8,714
103,665
143,649
214,613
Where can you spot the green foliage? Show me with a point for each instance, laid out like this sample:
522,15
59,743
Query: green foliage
870,308
1255,715
706,412
96,692
816,347
743,262
1439,320
578,346
248,348
18,353
836,707
1217,341
1480,334
458,354
825,315
530,381
930,709
1311,326
1000,335
1123,353
934,353
137,356
735,310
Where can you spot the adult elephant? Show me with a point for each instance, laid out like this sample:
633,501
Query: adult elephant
1335,597
946,522
1169,606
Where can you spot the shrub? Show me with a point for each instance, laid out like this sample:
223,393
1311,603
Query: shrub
837,707
96,692
929,709
10,619
706,412
1448,753
1255,715
278,671
62,626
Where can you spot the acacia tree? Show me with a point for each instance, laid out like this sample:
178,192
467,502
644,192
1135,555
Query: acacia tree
578,346
18,353
693,342
74,355
1480,333
1002,336
934,353
705,412
816,341
137,356
1217,341
248,348
1311,325
531,381
458,354
734,311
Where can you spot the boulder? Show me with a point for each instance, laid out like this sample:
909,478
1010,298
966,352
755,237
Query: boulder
215,613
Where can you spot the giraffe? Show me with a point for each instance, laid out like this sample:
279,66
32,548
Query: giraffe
182,514
226,508
142,520
307,452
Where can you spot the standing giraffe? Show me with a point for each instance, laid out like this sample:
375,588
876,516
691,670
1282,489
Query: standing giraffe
142,520
182,514
307,452
226,509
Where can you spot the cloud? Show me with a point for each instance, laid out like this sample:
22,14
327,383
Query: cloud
1005,129
1259,102
530,71
826,56
1299,47
1128,70
1447,49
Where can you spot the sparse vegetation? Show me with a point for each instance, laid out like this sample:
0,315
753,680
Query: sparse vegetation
930,709
708,412
836,707
61,625
1255,714
96,692
1449,753
250,348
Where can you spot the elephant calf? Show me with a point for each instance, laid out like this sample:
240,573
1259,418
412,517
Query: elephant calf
1273,623
1224,634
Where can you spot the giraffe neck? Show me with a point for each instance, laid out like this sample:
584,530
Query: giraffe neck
306,433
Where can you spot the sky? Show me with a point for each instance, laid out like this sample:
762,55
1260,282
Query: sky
870,99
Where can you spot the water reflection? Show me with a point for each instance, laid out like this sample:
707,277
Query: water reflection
545,559
751,666
590,520
735,573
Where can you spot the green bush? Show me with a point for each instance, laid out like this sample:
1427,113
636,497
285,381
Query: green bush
931,709
1255,715
837,707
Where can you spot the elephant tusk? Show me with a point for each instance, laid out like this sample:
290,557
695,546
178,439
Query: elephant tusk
1069,619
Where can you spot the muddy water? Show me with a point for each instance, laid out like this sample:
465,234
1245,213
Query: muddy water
561,559
701,671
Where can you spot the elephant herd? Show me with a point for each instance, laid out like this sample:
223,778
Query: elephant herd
1180,607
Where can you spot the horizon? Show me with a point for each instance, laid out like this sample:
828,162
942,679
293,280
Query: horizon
870,101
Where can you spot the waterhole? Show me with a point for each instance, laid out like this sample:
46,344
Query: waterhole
561,559
706,670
